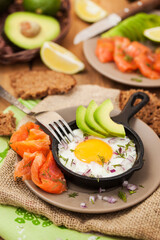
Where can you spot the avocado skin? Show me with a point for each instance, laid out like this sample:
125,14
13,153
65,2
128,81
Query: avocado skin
102,116
80,121
4,4
90,121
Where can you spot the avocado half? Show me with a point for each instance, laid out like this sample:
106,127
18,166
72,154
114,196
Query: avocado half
48,29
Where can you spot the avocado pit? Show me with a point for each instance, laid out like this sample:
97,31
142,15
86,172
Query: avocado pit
30,29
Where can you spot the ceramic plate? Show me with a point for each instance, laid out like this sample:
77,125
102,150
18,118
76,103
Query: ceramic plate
110,70
148,177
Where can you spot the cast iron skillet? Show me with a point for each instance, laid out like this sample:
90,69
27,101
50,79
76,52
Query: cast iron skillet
127,113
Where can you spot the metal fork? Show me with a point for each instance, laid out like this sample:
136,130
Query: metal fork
52,121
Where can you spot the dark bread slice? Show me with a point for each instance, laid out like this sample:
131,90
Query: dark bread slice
39,84
7,124
150,113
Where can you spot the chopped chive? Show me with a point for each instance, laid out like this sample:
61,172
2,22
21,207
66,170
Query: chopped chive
122,195
73,195
136,79
132,191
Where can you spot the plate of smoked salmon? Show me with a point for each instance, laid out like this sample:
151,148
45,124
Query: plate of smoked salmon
37,168
126,62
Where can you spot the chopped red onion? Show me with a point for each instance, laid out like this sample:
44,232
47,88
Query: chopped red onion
101,190
65,145
112,170
125,184
86,138
83,205
112,140
87,173
131,187
130,158
112,200
99,197
105,198
120,150
115,153
92,199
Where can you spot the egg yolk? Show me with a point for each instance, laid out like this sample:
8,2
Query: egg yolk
93,150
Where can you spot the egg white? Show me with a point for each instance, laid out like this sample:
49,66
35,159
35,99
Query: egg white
123,158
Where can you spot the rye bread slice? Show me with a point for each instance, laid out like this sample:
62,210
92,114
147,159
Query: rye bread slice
150,113
39,84
7,124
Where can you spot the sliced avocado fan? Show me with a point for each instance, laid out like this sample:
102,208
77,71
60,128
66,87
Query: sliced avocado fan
80,121
102,117
89,119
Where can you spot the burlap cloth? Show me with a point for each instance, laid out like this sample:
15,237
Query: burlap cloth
140,222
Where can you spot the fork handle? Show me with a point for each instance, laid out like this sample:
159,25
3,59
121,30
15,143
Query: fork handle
7,96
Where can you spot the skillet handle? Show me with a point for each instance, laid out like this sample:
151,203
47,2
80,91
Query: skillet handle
129,109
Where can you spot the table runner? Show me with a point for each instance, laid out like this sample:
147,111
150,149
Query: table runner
141,221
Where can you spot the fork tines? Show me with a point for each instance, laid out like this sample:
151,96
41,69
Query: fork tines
61,130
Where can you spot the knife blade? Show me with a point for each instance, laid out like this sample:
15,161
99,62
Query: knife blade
96,28
113,19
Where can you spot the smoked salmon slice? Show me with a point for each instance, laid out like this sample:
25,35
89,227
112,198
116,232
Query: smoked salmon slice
105,49
124,62
28,139
145,65
46,175
37,163
129,56
156,65
23,168
135,48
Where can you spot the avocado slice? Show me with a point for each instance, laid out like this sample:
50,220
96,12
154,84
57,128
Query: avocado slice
102,116
90,121
80,121
41,28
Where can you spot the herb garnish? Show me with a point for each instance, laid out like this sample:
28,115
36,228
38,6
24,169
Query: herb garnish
132,191
119,152
122,195
136,79
28,164
141,186
73,195
102,159
128,58
117,165
129,144
65,159
71,150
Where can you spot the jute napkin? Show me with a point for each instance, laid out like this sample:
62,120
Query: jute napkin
141,221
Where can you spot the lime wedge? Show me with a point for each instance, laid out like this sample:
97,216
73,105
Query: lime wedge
153,34
60,59
89,11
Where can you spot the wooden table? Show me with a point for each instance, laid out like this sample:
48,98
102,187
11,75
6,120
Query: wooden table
89,76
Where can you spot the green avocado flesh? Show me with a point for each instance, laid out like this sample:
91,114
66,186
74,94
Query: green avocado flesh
49,29
90,121
102,117
134,26
80,121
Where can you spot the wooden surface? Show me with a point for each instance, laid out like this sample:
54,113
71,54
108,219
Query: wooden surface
89,75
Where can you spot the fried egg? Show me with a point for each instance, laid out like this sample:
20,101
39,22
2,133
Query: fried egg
96,157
